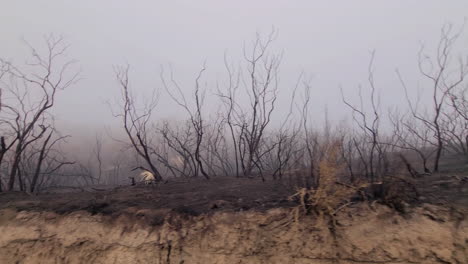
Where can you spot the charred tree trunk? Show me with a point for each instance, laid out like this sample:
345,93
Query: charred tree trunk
14,167
40,160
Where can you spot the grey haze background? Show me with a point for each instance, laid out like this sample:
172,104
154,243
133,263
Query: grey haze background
328,40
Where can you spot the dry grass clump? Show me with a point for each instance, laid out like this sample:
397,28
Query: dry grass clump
330,195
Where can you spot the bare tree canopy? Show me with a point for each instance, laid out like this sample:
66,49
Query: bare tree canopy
29,92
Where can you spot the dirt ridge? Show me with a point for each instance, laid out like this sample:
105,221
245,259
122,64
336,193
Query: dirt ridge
364,235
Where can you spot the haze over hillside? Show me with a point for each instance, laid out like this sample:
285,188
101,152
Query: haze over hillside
327,58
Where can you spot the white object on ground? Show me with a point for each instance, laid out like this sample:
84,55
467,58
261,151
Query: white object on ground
146,177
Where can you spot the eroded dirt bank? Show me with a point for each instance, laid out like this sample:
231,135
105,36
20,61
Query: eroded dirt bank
428,234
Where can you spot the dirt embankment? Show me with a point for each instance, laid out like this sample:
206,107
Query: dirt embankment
428,234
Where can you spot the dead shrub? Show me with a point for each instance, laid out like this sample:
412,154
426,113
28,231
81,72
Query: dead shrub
330,195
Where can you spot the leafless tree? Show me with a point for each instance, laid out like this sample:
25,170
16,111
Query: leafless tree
285,142
32,92
195,114
136,120
4,148
48,162
248,124
442,80
411,137
97,151
182,141
348,153
228,98
310,138
263,86
218,159
370,153
455,122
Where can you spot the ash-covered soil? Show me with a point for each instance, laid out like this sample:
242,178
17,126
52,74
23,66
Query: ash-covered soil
193,197
200,196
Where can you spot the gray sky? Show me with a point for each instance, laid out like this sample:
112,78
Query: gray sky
329,40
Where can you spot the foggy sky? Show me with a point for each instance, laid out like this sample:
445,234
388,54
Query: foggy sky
330,41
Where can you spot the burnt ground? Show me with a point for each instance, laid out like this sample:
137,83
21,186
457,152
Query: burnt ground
201,196
448,188
189,197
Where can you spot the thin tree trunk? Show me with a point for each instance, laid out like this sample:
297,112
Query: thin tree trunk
14,168
20,180
39,164
437,157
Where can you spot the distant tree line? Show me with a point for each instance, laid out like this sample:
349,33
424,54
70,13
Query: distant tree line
239,139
